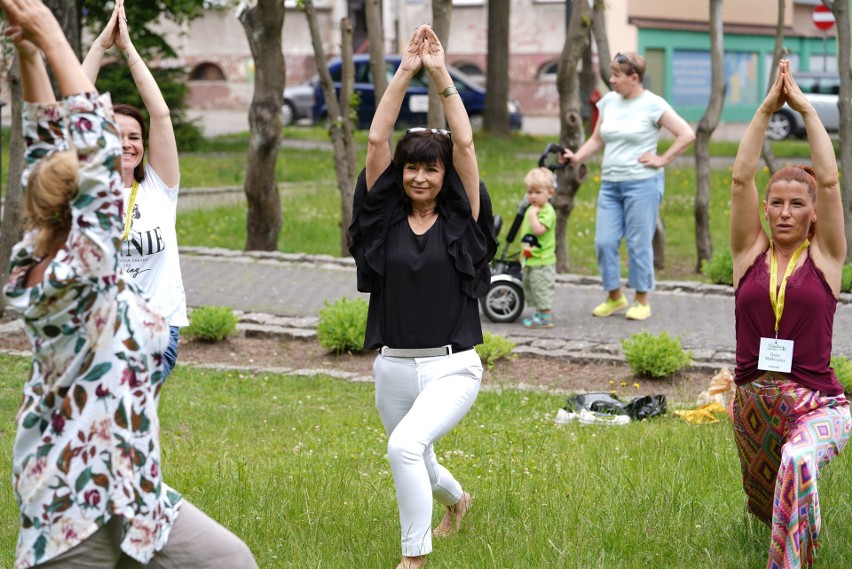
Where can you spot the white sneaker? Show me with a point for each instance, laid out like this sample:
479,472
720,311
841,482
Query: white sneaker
591,418
563,417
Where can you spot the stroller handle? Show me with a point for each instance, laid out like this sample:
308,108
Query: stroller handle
555,149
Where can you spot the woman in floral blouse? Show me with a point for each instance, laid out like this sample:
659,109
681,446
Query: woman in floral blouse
86,460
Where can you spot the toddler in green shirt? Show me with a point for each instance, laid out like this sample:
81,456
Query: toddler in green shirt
538,253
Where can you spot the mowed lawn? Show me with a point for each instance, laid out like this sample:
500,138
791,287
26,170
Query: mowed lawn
296,466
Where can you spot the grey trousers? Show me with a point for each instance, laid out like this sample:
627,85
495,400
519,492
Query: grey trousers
196,541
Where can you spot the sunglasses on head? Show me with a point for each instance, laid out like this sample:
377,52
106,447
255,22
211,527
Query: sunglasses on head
432,130
622,59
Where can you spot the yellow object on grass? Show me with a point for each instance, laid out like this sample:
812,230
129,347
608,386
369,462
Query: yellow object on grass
704,414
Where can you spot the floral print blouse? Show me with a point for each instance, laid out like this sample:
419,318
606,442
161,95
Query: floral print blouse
88,438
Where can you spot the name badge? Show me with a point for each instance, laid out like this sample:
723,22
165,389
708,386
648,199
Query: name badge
775,355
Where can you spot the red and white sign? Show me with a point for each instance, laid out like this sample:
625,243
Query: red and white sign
822,17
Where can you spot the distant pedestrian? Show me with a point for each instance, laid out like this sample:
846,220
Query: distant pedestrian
790,415
631,180
538,247
422,238
149,248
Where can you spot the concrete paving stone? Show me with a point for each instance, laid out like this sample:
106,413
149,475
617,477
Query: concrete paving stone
290,322
703,355
548,344
265,331
12,328
258,318
579,346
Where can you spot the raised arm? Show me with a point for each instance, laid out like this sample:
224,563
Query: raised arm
830,233
747,235
464,155
92,62
162,147
381,129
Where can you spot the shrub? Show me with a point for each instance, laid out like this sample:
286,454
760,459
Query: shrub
493,348
211,324
843,369
846,279
343,325
655,356
720,268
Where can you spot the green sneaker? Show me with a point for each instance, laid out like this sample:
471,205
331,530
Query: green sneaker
639,311
605,309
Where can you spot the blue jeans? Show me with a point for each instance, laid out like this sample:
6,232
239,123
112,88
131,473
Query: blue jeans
628,209
171,353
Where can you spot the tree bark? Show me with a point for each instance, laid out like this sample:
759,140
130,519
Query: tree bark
441,12
375,34
263,24
840,8
706,126
12,227
766,150
340,126
601,40
67,13
570,124
496,113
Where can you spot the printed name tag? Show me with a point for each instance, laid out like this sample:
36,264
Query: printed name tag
775,355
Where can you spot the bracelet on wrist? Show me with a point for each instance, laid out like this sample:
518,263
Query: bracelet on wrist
451,90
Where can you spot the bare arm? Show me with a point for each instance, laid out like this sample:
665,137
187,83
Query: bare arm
747,235
535,225
35,83
378,148
464,154
589,148
684,136
92,62
830,235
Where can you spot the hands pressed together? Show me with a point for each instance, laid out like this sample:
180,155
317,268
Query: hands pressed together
115,32
424,49
785,90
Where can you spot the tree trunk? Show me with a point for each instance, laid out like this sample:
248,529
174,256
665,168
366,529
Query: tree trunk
263,24
570,124
375,34
658,243
67,13
496,113
766,150
706,126
587,82
601,40
840,8
441,12
12,227
340,127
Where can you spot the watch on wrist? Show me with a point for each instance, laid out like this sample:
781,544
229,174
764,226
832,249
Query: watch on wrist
451,90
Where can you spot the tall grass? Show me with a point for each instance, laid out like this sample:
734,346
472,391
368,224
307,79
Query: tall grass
296,466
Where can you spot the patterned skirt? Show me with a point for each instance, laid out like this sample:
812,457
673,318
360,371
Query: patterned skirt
785,434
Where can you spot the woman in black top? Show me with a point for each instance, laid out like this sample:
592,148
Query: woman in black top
422,237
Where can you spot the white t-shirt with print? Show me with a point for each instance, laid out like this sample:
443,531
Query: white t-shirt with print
150,254
629,128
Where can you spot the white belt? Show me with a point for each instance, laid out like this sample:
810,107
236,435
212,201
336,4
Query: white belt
418,352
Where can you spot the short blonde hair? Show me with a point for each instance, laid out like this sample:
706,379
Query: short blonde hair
539,178
47,201
628,63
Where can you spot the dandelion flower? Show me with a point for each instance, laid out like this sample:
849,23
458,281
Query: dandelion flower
611,382
635,386
623,384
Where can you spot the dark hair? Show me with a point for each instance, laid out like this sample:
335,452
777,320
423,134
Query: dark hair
135,114
424,147
796,173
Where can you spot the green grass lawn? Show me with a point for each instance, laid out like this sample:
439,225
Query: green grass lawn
296,466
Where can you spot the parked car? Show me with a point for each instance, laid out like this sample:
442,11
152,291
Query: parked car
822,89
416,102
298,102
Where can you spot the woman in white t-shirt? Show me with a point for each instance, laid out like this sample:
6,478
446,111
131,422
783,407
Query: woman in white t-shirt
149,250
631,180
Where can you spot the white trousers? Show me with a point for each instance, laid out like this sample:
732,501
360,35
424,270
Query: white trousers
419,401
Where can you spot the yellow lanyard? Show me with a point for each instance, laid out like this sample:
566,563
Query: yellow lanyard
777,298
128,211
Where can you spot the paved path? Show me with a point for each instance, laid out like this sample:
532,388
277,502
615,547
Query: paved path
702,316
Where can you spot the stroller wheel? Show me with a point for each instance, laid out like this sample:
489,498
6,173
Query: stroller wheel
504,302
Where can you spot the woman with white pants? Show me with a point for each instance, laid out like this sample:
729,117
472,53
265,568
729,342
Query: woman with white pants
422,237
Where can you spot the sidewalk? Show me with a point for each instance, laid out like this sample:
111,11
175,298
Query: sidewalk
265,285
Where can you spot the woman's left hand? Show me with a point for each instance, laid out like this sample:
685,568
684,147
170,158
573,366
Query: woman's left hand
122,37
652,160
795,98
431,50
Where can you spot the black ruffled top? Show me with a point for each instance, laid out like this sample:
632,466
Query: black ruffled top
424,289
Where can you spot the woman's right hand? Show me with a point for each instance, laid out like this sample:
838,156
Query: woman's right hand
411,60
108,35
777,95
122,35
26,49
566,157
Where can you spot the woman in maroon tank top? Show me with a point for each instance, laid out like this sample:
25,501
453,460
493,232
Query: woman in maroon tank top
790,414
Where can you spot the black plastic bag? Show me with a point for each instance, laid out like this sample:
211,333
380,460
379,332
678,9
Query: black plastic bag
600,402
646,407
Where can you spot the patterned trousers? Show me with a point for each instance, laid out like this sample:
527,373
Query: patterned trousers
785,434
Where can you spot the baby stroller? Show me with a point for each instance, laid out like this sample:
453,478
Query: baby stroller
504,301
